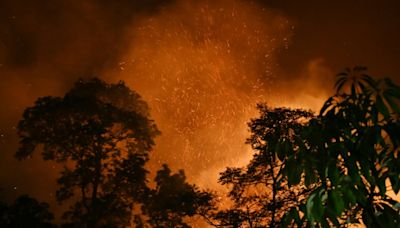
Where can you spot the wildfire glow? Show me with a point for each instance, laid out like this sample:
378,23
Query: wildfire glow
203,66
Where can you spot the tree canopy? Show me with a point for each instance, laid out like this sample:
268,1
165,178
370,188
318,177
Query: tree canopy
173,200
102,134
260,191
26,212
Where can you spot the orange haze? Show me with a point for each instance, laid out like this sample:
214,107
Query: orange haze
202,66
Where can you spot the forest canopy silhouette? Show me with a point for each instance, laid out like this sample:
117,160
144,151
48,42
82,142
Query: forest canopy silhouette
333,168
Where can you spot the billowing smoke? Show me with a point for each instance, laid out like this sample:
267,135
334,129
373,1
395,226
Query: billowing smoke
308,89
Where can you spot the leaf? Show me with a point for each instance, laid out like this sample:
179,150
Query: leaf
324,223
353,90
310,206
353,170
333,174
382,186
393,104
282,149
336,200
339,84
326,105
315,209
382,107
369,80
388,217
309,177
294,171
349,196
335,221
295,214
395,182
291,215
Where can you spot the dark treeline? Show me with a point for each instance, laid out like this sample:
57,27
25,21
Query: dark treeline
333,168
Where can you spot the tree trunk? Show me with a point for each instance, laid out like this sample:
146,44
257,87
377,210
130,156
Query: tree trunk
94,213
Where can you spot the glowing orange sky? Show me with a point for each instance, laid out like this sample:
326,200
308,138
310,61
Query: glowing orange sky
201,65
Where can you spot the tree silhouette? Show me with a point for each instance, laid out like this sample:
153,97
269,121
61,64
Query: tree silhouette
351,148
260,191
25,212
102,134
173,200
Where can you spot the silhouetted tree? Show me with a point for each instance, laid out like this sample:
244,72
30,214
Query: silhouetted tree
352,149
102,134
173,200
260,191
25,212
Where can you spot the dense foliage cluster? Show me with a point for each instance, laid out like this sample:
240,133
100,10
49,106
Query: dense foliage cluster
351,148
332,169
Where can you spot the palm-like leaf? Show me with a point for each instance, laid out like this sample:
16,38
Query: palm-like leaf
387,96
384,93
355,78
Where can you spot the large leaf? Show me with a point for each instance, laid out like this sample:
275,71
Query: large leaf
382,107
293,170
333,174
393,104
315,207
335,199
395,182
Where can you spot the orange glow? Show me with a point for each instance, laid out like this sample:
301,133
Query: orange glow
203,66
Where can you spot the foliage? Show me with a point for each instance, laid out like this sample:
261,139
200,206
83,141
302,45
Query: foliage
333,169
25,212
173,200
260,191
351,148
102,134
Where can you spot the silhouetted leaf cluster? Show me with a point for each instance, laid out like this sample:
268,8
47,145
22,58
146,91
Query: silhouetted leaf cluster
351,149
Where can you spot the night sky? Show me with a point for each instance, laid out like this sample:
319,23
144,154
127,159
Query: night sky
201,65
